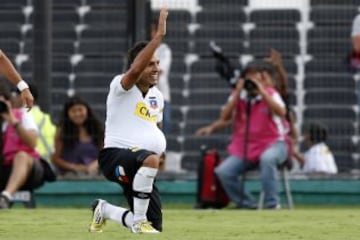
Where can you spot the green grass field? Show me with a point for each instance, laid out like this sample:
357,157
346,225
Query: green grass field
330,223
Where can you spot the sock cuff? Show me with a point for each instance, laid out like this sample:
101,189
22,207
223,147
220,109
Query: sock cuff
124,217
148,171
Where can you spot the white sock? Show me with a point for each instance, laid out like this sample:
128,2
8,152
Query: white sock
116,214
7,194
143,183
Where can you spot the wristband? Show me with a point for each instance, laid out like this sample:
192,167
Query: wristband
22,85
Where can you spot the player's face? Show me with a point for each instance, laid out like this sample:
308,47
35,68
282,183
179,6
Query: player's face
78,114
152,71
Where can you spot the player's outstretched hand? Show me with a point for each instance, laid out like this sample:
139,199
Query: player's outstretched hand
161,30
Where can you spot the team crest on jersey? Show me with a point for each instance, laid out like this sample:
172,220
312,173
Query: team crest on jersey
153,103
143,111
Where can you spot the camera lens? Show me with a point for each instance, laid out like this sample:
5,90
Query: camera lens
3,107
249,85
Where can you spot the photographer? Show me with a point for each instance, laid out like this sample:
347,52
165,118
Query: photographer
258,140
19,163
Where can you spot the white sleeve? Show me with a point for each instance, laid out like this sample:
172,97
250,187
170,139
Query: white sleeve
277,98
28,122
116,86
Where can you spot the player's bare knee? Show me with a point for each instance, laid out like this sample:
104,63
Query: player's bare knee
152,161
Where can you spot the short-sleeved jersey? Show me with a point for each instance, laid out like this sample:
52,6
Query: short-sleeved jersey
131,118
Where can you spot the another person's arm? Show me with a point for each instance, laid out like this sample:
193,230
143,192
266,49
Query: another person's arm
225,118
132,76
8,70
276,60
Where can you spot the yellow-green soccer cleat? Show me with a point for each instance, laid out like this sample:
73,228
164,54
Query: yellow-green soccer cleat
98,220
143,227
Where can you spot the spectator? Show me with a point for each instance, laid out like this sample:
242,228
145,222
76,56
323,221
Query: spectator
78,140
47,130
318,158
163,52
227,71
19,163
7,69
133,142
355,35
258,138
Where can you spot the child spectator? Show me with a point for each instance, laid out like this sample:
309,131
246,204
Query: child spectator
78,139
318,158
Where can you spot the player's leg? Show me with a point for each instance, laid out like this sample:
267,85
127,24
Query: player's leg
110,162
154,213
143,187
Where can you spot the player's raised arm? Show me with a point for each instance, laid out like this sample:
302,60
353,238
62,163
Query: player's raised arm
8,70
143,58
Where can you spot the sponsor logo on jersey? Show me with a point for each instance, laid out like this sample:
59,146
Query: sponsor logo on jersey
143,111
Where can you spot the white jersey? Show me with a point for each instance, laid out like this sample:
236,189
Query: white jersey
131,119
319,159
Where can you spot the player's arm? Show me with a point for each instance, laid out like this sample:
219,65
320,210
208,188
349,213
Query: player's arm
8,70
141,61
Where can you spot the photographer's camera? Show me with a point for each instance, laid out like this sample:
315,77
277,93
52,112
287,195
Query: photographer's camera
3,107
249,85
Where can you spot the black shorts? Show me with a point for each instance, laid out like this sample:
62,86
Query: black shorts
120,165
35,179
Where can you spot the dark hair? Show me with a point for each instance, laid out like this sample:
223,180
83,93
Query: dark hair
69,132
317,132
259,66
5,91
135,50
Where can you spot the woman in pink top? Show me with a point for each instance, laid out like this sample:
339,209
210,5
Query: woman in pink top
258,138
20,168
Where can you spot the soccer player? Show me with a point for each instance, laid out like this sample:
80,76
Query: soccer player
7,69
133,142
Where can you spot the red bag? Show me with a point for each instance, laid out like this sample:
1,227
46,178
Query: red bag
210,193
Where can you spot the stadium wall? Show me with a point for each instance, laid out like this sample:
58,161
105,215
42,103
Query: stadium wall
80,193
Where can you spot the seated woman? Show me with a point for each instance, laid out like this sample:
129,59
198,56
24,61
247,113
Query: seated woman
78,139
